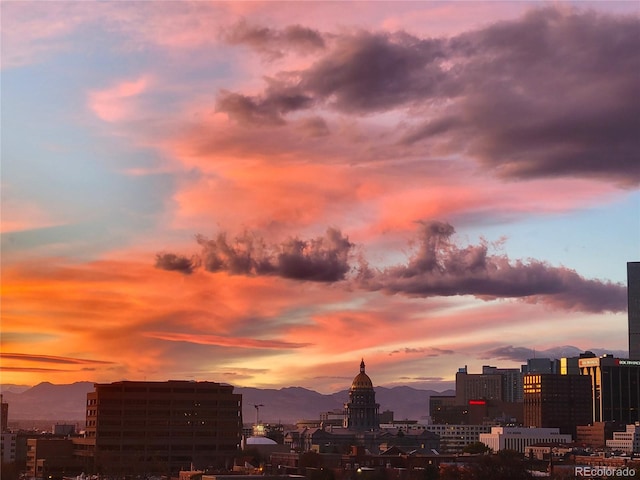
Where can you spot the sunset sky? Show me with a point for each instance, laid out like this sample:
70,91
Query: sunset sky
264,193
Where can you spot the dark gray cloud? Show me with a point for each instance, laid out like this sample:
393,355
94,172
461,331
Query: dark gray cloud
175,263
273,42
325,259
267,110
554,93
439,267
322,259
370,72
522,354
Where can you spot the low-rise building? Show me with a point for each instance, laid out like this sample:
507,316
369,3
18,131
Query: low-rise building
63,429
596,434
548,451
51,457
517,438
627,441
453,438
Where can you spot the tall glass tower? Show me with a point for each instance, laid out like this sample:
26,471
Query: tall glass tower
633,299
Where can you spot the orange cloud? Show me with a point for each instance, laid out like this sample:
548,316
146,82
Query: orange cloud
93,310
204,339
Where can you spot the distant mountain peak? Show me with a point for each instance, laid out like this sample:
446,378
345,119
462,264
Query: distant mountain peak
51,402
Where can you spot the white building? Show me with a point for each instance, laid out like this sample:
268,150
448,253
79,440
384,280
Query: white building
8,447
453,438
627,441
517,438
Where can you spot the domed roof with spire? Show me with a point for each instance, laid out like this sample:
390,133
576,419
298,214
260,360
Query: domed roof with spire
362,380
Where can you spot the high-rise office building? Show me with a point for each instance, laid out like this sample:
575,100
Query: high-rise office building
552,400
475,386
633,303
160,427
615,387
511,382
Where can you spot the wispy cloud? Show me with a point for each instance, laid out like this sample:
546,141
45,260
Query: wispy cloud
118,103
50,359
275,42
422,351
239,342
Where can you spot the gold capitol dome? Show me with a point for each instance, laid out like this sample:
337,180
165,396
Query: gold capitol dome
362,380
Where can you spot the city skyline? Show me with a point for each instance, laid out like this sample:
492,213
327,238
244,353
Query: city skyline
262,194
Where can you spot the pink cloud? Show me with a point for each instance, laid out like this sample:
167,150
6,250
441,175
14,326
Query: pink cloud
21,216
118,103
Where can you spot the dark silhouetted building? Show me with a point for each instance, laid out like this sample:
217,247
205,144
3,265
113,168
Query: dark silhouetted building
63,429
160,427
4,415
511,382
473,386
562,401
444,410
615,386
633,303
490,397
49,458
540,365
362,410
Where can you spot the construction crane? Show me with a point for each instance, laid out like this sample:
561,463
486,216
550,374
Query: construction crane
257,407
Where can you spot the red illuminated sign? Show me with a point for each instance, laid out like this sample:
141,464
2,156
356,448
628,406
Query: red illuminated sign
477,402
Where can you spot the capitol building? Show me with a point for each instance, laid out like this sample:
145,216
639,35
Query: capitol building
362,411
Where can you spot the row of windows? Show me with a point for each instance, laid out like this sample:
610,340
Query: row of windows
215,412
165,402
163,433
164,391
136,448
